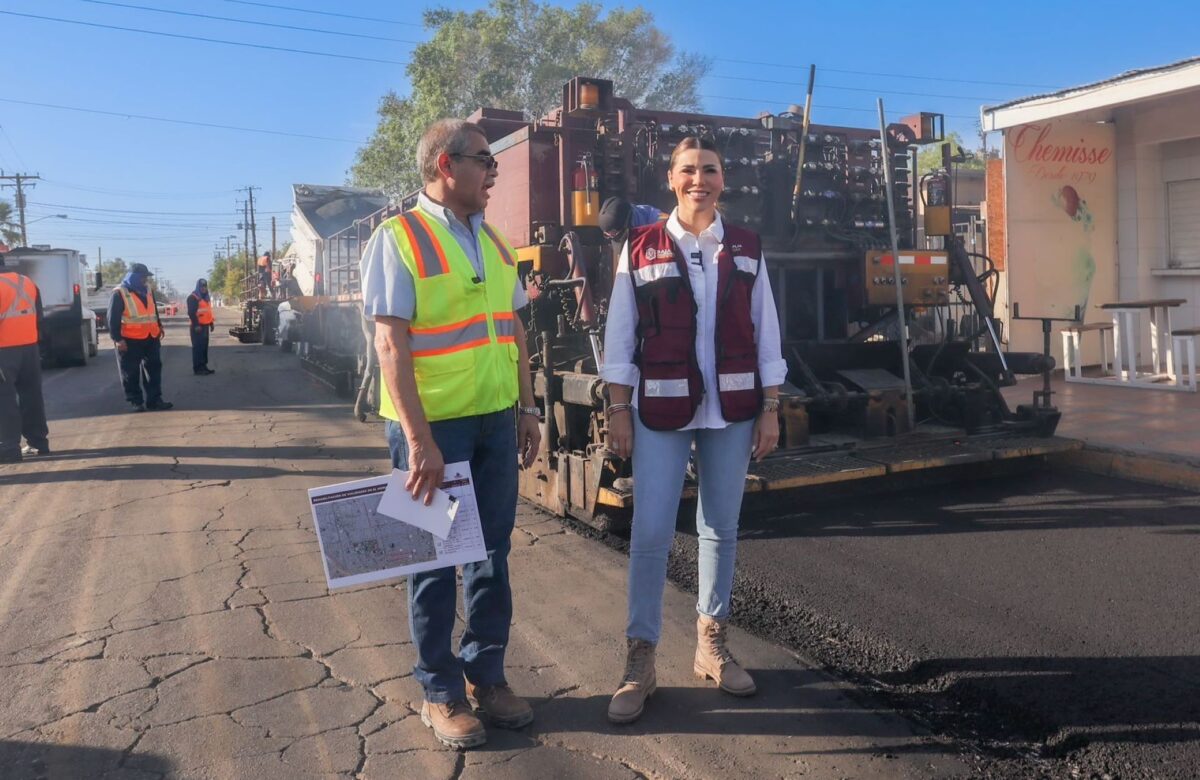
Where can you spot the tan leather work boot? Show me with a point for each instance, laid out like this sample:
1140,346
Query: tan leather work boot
713,659
502,707
637,684
454,724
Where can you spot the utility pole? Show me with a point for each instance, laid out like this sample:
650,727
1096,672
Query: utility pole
253,223
245,238
20,179
273,250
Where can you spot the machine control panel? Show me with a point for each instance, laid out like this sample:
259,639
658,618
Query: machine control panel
924,274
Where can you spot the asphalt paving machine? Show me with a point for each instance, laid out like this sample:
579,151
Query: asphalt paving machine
818,195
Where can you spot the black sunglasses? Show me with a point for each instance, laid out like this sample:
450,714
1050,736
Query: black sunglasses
488,161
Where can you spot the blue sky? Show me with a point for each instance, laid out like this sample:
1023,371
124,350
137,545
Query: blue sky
166,194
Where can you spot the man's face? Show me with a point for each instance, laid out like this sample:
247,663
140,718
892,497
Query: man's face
472,174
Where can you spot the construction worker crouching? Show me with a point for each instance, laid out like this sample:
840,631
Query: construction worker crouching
22,411
137,332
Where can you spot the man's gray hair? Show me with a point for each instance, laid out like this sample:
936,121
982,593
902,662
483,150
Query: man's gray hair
452,136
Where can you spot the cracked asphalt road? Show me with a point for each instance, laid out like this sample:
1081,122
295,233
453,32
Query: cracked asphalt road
164,614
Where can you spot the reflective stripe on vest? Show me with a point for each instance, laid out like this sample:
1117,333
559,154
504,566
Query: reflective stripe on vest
499,242
204,313
462,335
18,317
140,320
671,387
430,256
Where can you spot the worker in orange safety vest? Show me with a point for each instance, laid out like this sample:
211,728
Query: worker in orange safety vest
22,411
200,313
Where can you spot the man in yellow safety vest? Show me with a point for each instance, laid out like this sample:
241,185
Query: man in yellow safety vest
442,287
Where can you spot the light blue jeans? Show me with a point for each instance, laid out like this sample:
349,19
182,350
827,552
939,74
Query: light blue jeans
659,464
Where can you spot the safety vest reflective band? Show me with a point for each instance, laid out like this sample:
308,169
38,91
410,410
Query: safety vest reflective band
18,310
462,335
505,253
671,386
204,314
430,257
140,320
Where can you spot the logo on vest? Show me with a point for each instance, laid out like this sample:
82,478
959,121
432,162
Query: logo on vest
737,248
653,254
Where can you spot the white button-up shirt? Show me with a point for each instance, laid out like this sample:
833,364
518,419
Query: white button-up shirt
620,336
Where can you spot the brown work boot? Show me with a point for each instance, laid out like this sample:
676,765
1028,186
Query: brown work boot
713,659
637,684
454,724
502,707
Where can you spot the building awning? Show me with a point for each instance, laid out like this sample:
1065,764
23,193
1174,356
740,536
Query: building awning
1101,96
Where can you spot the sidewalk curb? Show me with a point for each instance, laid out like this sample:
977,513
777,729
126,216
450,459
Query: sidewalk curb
1153,468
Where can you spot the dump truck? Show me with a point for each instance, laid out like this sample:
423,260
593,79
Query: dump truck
68,333
895,358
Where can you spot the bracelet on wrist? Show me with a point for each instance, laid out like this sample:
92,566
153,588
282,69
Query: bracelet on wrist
770,405
612,408
532,411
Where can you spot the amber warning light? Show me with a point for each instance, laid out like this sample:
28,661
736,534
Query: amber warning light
589,96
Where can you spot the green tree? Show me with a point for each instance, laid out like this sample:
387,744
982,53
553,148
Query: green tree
516,55
930,158
10,232
113,271
216,274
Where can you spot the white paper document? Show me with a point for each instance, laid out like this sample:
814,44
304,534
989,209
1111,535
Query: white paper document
399,504
359,544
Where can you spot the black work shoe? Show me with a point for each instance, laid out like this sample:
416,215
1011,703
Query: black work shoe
161,406
137,407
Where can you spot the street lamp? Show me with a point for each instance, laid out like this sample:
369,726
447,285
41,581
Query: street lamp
48,216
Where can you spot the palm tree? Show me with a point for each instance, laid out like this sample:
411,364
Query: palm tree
9,232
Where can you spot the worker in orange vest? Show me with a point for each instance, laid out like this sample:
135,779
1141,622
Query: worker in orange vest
137,331
200,313
22,410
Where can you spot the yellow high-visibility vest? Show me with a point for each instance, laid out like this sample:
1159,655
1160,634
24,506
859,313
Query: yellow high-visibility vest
463,333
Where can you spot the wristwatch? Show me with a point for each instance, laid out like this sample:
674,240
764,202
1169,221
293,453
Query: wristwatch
770,405
532,411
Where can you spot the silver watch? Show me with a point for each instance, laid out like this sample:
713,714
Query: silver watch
532,411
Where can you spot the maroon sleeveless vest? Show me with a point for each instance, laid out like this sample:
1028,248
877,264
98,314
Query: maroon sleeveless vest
671,385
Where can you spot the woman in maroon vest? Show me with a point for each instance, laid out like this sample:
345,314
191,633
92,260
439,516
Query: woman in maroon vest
692,357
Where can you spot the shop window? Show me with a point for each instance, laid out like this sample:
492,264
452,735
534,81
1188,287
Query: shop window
1183,223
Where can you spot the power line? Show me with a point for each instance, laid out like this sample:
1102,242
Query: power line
12,146
142,194
824,69
325,13
851,89
781,101
211,125
250,21
179,36
150,213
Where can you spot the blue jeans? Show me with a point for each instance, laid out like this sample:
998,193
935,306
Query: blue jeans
660,461
489,443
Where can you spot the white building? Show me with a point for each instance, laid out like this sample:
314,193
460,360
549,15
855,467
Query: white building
1102,196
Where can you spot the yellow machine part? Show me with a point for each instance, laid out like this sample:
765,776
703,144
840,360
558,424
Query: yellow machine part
937,221
585,208
915,453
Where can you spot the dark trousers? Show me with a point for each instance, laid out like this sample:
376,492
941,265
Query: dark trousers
489,443
199,347
141,367
22,411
